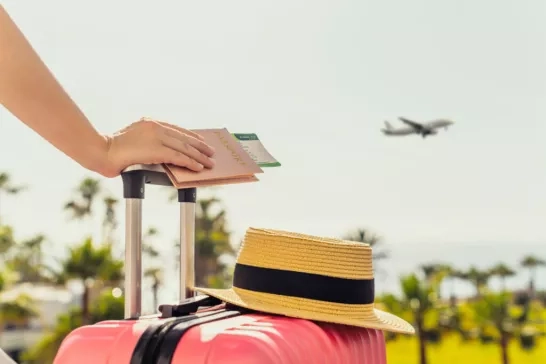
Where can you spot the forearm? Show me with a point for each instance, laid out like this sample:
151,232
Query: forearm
33,95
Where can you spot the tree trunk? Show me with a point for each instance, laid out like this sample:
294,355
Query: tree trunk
155,288
532,283
422,342
200,272
453,296
85,304
504,347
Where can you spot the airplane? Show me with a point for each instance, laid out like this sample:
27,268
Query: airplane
423,129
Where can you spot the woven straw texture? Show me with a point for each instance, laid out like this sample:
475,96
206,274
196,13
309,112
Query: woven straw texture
276,249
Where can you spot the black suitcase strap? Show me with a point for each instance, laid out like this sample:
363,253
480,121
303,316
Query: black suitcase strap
148,341
172,338
159,341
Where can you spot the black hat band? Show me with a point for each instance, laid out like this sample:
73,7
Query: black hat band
304,285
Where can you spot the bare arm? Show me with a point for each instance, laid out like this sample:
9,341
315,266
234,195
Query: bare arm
30,92
33,95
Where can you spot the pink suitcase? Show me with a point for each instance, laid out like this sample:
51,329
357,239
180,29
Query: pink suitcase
203,330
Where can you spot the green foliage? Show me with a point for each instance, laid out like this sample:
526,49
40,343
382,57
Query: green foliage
459,329
107,307
7,186
86,261
81,206
404,350
45,350
212,241
532,261
7,240
18,310
492,310
391,303
420,296
27,260
491,319
479,278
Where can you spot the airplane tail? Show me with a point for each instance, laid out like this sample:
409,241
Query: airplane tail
388,126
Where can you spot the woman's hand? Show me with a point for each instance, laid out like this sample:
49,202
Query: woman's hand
152,142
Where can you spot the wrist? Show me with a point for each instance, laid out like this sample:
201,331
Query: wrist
99,160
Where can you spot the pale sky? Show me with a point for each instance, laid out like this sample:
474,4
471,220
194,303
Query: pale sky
315,80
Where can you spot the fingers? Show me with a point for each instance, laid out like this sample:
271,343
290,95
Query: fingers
182,130
171,156
201,146
187,149
178,146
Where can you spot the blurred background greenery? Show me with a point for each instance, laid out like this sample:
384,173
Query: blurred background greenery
37,313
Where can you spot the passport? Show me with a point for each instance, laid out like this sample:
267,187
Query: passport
233,164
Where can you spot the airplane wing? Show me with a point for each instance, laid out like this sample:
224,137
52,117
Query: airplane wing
413,124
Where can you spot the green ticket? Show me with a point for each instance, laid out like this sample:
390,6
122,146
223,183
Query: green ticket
256,150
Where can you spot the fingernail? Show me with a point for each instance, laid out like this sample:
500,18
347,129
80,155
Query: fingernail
212,162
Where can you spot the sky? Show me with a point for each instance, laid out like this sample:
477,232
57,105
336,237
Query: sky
315,80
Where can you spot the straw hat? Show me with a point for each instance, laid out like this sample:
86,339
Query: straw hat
307,277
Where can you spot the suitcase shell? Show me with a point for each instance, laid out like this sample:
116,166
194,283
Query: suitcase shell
248,338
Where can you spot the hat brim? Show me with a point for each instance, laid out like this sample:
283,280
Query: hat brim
353,315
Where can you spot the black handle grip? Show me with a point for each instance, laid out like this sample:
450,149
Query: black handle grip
134,184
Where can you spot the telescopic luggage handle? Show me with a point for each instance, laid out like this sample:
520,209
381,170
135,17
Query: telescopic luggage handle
135,179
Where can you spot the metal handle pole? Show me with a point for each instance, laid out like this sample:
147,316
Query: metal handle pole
187,250
133,258
187,199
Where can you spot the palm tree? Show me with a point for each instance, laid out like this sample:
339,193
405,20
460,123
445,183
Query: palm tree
87,262
81,206
156,276
430,271
366,237
110,223
28,261
419,297
212,240
7,240
532,262
492,310
502,271
478,278
453,274
19,310
148,248
7,187
435,274
154,273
